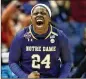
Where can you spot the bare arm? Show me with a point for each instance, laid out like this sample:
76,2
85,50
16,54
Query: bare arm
9,11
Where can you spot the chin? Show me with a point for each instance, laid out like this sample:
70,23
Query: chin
39,26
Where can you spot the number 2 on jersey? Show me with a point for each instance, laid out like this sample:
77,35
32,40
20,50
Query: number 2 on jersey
36,59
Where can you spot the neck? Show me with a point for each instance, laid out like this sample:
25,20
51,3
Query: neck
40,31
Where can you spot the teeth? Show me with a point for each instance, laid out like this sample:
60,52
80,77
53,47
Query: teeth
40,20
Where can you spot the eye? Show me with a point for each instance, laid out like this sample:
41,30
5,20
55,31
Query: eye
43,13
35,13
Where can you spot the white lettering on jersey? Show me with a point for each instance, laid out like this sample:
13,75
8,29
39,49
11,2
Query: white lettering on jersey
40,48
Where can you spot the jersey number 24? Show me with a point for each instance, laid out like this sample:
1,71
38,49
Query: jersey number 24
36,62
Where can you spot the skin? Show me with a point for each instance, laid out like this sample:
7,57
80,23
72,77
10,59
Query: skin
40,13
34,75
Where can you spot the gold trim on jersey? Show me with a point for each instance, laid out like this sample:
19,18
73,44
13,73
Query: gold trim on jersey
32,34
54,33
50,32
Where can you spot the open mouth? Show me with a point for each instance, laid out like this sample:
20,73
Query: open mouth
39,21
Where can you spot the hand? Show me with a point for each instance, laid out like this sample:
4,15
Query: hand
34,75
16,3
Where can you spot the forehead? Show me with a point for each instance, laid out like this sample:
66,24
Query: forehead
39,8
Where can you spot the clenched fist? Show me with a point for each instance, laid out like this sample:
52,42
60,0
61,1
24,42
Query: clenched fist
34,75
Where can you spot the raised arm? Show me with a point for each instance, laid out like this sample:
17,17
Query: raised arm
9,11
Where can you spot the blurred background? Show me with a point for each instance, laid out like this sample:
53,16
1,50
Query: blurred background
67,15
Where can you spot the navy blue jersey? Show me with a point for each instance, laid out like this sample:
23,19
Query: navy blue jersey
48,54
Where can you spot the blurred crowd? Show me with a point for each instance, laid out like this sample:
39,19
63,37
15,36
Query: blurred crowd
67,15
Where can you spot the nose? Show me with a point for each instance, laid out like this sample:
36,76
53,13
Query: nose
39,14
